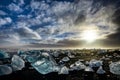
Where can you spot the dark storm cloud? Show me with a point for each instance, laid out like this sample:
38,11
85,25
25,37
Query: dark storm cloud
114,39
70,43
66,43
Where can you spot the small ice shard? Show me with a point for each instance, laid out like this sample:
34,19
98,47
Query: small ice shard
44,64
3,55
64,70
101,71
65,59
89,69
4,70
115,68
17,63
95,63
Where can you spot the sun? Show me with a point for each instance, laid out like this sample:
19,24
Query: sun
89,35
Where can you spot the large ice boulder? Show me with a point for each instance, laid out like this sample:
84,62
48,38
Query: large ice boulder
44,64
17,63
4,70
3,55
115,68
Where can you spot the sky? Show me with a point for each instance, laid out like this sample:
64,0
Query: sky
60,23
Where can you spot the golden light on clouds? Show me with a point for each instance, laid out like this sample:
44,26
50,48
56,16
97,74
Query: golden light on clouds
89,35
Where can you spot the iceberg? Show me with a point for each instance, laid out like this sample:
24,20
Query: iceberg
44,64
115,68
17,63
3,55
4,70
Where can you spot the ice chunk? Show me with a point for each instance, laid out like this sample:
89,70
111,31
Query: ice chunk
64,70
31,59
65,59
115,68
89,69
22,54
17,63
3,55
55,54
4,70
44,64
56,68
95,63
70,55
46,55
101,71
72,67
79,65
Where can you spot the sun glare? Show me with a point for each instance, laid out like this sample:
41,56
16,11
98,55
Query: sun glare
89,35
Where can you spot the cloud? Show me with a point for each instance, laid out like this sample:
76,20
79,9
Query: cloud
61,22
27,33
4,21
19,2
2,13
15,8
